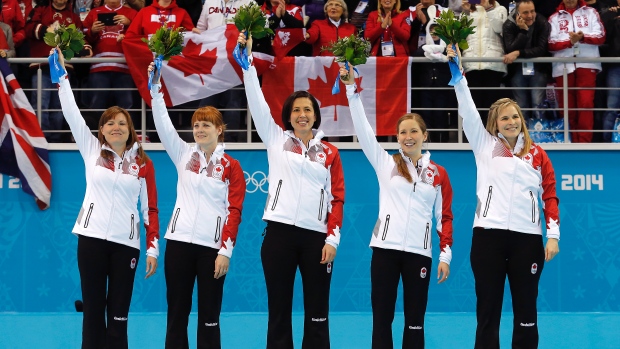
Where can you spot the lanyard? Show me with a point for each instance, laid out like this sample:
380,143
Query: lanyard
227,10
163,21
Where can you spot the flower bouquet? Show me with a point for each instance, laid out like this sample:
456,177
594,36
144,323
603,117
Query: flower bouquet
351,49
251,19
68,39
454,31
165,44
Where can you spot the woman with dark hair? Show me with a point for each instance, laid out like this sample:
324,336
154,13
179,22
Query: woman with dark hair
513,175
413,190
303,212
323,32
203,229
388,30
118,176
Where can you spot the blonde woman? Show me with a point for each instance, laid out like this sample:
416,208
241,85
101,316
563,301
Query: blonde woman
513,175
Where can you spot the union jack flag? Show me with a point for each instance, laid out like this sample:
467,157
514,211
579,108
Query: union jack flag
23,148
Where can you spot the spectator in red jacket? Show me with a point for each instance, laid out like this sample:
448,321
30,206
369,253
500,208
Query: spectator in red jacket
152,17
323,32
13,16
106,42
387,30
46,18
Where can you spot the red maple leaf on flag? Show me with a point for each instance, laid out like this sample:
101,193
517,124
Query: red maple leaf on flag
191,61
322,90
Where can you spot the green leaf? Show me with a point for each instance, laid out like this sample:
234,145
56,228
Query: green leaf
68,54
349,53
76,46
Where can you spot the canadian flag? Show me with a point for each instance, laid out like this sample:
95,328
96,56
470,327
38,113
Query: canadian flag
204,68
384,84
286,39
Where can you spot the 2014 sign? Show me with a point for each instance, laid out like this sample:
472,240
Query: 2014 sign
582,182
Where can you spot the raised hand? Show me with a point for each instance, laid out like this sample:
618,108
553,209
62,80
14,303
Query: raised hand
347,76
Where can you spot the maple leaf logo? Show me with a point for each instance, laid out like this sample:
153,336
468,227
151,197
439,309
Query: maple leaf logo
322,90
191,61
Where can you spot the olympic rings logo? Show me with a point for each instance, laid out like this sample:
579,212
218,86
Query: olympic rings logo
255,181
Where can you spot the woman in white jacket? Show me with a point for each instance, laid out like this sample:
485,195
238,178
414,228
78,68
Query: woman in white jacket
303,212
118,175
205,220
413,190
486,42
513,175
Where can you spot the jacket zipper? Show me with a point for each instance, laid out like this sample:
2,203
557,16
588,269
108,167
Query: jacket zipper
321,204
385,227
533,207
486,207
275,200
426,237
113,191
217,229
90,210
132,228
174,220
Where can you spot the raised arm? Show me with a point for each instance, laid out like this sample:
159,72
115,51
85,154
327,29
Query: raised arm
267,129
476,133
377,156
86,142
174,145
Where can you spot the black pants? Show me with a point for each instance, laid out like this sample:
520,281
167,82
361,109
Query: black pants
184,262
386,268
107,272
496,254
285,248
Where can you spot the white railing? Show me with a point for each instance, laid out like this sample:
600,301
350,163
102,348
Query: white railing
249,131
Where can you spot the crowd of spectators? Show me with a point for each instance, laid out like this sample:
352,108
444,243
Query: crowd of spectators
505,29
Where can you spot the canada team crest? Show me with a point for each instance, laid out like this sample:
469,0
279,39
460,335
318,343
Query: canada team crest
218,171
134,168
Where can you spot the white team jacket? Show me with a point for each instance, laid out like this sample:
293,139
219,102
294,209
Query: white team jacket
306,185
508,187
584,19
209,194
113,187
406,209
